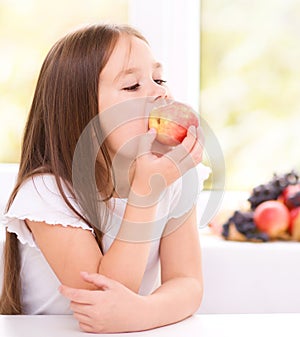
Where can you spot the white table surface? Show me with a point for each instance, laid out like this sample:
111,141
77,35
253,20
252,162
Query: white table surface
246,277
257,325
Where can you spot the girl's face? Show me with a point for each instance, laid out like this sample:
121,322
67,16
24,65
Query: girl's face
130,84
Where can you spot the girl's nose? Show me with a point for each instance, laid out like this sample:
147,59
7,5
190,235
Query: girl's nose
158,91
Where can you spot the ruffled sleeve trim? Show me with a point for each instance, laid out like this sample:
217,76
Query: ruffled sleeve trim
15,224
39,199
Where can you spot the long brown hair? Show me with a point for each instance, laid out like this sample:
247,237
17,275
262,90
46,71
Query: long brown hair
65,101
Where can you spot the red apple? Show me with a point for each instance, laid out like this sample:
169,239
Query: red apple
272,217
295,224
172,121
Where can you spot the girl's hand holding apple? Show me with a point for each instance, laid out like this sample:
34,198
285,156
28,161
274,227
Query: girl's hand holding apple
160,171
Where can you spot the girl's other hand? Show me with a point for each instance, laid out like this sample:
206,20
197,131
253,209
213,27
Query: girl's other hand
111,309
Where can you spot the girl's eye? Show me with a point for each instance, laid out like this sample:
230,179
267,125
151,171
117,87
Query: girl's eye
132,87
160,82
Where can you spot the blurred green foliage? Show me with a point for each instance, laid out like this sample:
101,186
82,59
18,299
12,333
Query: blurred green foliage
250,52
28,29
250,84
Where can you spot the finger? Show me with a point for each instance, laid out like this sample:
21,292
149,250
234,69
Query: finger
81,308
198,144
77,295
192,137
146,142
197,151
82,318
193,159
98,280
195,155
200,136
86,327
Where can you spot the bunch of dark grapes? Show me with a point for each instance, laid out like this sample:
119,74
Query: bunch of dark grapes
273,189
294,200
244,223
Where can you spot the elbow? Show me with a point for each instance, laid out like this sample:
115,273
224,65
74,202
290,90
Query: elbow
122,277
197,295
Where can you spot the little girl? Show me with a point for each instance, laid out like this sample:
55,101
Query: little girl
96,193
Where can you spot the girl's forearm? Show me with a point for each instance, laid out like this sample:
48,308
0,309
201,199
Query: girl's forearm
172,302
126,259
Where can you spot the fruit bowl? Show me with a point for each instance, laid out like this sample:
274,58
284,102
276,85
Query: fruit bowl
272,213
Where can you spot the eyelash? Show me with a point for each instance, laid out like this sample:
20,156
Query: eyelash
132,87
137,85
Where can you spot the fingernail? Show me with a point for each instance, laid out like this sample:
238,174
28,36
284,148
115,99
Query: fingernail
152,131
84,273
192,130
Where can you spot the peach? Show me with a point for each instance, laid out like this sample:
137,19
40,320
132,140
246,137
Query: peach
172,121
272,217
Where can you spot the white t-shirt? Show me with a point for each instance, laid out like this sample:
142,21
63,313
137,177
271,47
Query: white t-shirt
39,199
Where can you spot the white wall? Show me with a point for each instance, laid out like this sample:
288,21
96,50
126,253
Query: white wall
172,28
